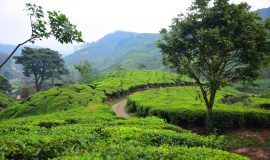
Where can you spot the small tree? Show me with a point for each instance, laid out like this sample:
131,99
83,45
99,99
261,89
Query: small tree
85,70
119,69
4,84
42,64
57,25
141,66
219,43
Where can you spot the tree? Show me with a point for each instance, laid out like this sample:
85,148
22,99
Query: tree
141,66
217,43
57,25
85,70
119,70
42,63
4,84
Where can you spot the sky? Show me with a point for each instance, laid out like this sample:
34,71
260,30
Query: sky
96,18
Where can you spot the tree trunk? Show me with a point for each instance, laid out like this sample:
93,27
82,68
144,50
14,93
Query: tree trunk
213,92
38,83
38,86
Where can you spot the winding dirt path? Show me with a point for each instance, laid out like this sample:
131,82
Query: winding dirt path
120,109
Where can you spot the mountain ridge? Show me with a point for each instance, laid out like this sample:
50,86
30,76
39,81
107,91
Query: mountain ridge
117,47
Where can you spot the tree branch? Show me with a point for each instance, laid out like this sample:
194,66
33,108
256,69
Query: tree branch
12,53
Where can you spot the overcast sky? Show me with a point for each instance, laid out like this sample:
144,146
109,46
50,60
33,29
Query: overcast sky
95,18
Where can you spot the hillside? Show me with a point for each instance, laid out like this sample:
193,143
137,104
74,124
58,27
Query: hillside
126,48
264,12
9,69
74,122
77,95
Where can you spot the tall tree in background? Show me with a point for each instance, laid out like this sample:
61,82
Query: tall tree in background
219,43
85,70
56,25
42,64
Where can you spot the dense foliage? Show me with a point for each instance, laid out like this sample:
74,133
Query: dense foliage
54,99
72,122
94,132
183,106
69,96
119,82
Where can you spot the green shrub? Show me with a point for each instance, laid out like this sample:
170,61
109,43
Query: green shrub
54,99
117,83
178,105
129,151
96,132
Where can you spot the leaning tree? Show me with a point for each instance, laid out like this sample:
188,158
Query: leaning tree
53,24
215,44
41,64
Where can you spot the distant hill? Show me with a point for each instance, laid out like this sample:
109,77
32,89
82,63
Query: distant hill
126,48
264,12
10,69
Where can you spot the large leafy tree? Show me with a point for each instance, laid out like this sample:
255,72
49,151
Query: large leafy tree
53,24
215,44
42,64
85,70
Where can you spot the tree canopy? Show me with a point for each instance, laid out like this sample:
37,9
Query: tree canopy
85,70
217,43
42,64
4,84
53,24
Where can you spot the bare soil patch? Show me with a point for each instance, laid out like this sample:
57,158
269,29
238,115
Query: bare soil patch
120,109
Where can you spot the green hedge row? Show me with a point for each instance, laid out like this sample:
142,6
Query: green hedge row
94,132
175,106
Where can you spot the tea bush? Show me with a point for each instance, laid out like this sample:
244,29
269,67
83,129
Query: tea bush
124,81
94,132
54,99
179,105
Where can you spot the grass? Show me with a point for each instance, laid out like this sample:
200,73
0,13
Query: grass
183,106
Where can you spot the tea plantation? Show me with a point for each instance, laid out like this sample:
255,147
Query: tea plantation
94,132
74,122
183,106
116,83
